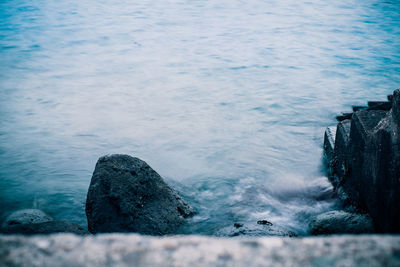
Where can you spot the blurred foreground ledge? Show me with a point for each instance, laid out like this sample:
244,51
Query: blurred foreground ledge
138,250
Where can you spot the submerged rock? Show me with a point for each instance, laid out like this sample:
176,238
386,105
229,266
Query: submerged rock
238,225
265,222
26,216
45,228
261,228
127,195
341,222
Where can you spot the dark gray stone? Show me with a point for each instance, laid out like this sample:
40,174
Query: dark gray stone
127,195
361,129
265,222
375,163
341,222
238,225
375,176
329,143
261,228
380,187
340,160
379,105
366,163
45,228
344,116
388,217
26,216
358,108
396,107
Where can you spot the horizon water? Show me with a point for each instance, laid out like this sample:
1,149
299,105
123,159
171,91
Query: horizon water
227,100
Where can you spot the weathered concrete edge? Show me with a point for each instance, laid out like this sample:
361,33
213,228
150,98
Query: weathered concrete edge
137,250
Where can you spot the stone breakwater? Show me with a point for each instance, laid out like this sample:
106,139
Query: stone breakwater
137,250
363,157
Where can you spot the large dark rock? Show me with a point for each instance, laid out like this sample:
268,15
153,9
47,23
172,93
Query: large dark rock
49,227
127,195
26,216
329,143
375,181
381,183
375,171
341,164
361,129
366,163
341,222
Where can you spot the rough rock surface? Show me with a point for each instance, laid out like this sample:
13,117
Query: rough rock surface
135,250
255,229
361,132
341,222
329,142
45,228
127,195
26,216
341,164
366,162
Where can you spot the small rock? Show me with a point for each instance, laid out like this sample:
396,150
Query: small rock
344,116
44,228
254,230
238,225
26,216
341,222
265,222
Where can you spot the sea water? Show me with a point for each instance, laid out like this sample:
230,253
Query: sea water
226,99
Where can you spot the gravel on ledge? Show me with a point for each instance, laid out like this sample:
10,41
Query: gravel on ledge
137,250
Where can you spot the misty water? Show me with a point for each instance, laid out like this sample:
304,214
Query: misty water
228,100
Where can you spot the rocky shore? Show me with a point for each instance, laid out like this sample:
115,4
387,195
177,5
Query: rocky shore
126,195
362,156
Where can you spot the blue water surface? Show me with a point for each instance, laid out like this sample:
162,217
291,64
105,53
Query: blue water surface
226,99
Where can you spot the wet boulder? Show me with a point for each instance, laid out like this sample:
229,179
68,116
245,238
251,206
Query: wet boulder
374,180
341,222
380,186
127,195
362,128
366,161
340,163
377,182
48,227
329,143
26,216
259,228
